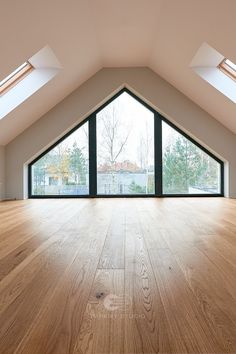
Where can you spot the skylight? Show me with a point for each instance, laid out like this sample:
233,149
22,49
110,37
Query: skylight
15,77
216,69
27,79
228,68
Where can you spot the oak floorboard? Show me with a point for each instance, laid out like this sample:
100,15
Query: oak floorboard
57,327
145,320
113,256
36,236
118,276
26,228
102,329
211,290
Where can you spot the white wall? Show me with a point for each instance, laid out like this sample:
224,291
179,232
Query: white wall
79,104
2,172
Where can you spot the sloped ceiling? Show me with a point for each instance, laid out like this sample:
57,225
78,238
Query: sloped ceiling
88,35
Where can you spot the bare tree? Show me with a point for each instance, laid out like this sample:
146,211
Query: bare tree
115,134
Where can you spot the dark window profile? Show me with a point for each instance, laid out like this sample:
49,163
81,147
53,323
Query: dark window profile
126,148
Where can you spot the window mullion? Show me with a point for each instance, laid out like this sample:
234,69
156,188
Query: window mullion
92,156
158,154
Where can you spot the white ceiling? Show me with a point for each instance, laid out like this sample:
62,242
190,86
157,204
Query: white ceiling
87,35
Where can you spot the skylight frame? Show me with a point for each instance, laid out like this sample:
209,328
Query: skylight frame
15,77
228,68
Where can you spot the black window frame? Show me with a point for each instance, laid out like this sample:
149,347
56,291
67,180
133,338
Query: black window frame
92,136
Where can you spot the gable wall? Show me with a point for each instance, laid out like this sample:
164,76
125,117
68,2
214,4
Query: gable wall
74,108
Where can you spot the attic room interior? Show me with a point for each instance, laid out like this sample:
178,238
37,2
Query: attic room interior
117,177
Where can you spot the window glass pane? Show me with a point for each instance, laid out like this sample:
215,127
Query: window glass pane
125,148
14,73
64,170
186,168
232,65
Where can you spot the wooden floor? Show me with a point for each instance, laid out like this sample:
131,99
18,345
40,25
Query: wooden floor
118,276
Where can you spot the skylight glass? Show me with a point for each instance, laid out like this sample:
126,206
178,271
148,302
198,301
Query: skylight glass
228,68
229,63
15,77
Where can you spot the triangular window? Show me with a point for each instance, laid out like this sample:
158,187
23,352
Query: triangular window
125,148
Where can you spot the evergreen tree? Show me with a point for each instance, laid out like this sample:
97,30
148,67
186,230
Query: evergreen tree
136,188
185,166
77,165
